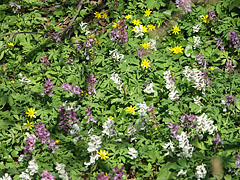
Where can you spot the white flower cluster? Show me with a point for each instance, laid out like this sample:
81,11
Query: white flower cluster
152,44
139,31
195,75
201,172
132,152
196,42
30,171
170,84
83,27
6,177
142,109
182,172
205,125
116,55
109,128
93,145
75,133
131,131
196,28
60,168
24,79
149,89
184,144
167,146
117,80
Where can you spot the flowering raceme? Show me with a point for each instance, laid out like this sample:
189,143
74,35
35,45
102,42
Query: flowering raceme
119,33
184,4
48,88
234,37
91,83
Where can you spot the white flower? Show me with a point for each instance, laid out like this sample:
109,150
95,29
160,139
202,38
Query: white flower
149,89
142,109
24,79
200,172
139,31
170,84
60,167
166,146
83,26
6,177
205,125
152,44
109,128
184,145
197,100
182,172
117,80
196,42
24,176
196,28
132,152
32,167
116,55
173,95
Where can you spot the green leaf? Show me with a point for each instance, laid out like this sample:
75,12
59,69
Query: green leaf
188,50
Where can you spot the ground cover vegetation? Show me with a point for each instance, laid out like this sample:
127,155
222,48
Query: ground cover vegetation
119,89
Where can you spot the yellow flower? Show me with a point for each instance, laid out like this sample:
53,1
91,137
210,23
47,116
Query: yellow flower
175,30
147,12
103,154
155,129
151,27
11,82
205,19
131,109
134,28
31,113
211,68
177,49
114,25
136,22
28,125
128,16
11,44
145,63
57,142
144,29
98,15
104,16
29,64
145,46
110,118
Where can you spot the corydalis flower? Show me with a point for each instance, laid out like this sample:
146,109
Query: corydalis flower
109,128
188,121
91,83
201,60
219,43
48,88
230,99
118,173
88,113
116,55
75,89
237,162
117,80
132,152
47,175
234,37
60,167
170,85
119,34
230,66
103,177
174,129
211,14
15,6
201,172
196,42
217,140
30,141
184,4
45,61
184,144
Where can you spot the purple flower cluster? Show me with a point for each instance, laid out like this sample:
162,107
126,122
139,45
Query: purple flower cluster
234,39
88,112
45,61
56,37
116,175
103,177
206,77
217,140
151,113
119,34
230,66
184,4
48,88
201,60
140,52
211,14
230,99
79,44
91,83
174,129
30,141
75,89
15,5
188,121
67,118
237,162
219,43
47,175
42,134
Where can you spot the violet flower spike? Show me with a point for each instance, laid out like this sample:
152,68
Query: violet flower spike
211,14
217,140
234,37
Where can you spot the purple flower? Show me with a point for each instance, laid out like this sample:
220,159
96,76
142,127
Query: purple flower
119,34
88,112
42,134
48,88
30,141
211,14
219,43
67,118
118,173
56,37
174,129
47,175
188,121
91,83
201,60
237,162
217,140
230,99
45,61
102,177
230,66
206,77
140,52
184,4
234,37
75,89
79,44
15,5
